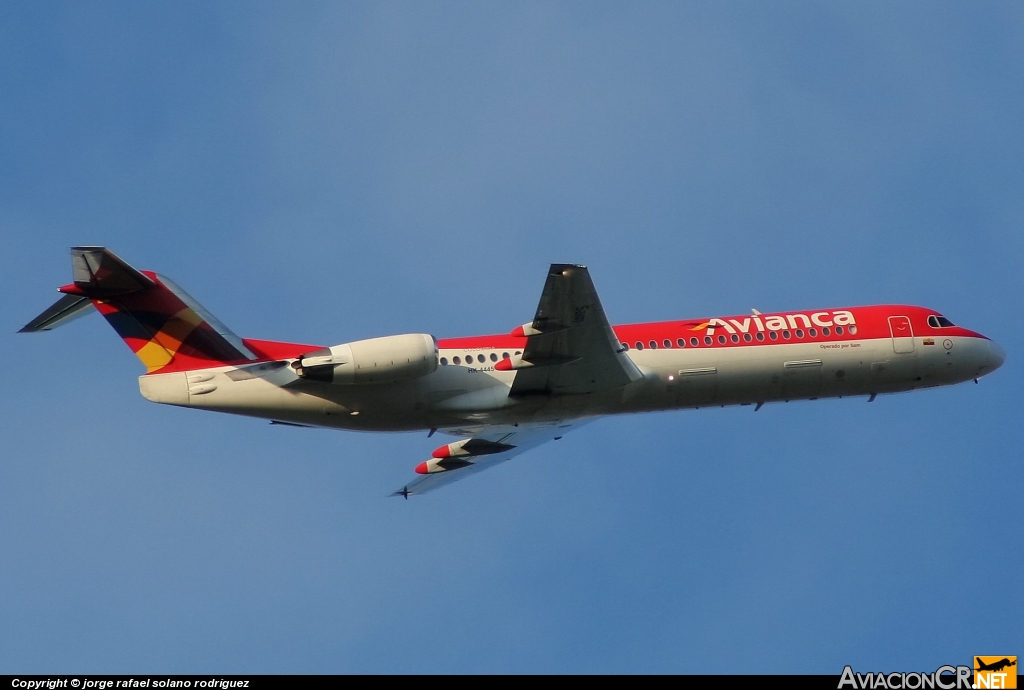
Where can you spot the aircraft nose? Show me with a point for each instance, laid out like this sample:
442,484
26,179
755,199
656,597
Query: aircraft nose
996,356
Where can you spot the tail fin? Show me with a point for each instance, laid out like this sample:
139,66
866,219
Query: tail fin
164,327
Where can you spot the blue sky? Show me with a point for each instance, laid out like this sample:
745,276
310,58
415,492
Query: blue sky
323,172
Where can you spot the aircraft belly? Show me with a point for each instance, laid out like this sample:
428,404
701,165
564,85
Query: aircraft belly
261,398
801,379
747,379
360,407
790,371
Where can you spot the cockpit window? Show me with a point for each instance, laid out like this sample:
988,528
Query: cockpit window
936,321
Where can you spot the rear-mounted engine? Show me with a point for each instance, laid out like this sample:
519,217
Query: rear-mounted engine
377,360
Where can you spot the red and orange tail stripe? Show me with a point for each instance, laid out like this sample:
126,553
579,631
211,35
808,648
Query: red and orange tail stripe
166,333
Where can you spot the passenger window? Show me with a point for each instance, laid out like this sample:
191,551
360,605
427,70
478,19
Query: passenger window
813,333
494,357
839,330
825,331
456,360
746,337
518,352
681,342
707,340
721,339
694,342
853,329
653,344
760,336
799,333
774,335
735,338
444,361
785,334
639,345
667,343
504,355
625,346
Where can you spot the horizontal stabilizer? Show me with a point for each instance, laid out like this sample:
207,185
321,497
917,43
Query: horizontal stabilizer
99,273
67,308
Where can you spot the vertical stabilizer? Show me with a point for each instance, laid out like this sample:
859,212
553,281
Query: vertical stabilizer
163,325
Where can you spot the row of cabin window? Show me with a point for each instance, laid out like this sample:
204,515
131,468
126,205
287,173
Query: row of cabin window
681,342
480,358
747,337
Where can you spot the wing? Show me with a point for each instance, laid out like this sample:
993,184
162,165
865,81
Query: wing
570,350
490,447
570,347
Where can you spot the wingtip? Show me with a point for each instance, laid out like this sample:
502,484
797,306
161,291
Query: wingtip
560,269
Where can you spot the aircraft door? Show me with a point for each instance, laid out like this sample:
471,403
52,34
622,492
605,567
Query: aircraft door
902,334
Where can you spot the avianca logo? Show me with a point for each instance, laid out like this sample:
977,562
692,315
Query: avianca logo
762,323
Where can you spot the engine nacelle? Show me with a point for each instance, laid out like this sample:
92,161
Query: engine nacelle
377,360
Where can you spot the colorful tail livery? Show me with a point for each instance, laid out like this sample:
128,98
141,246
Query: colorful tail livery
504,394
164,327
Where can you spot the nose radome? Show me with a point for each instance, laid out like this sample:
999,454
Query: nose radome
996,355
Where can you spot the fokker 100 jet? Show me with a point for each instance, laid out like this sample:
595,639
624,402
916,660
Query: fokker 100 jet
500,395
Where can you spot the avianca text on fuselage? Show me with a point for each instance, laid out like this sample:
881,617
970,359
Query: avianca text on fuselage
779,322
500,395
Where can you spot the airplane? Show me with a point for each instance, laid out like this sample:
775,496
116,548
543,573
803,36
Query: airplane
501,395
994,666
